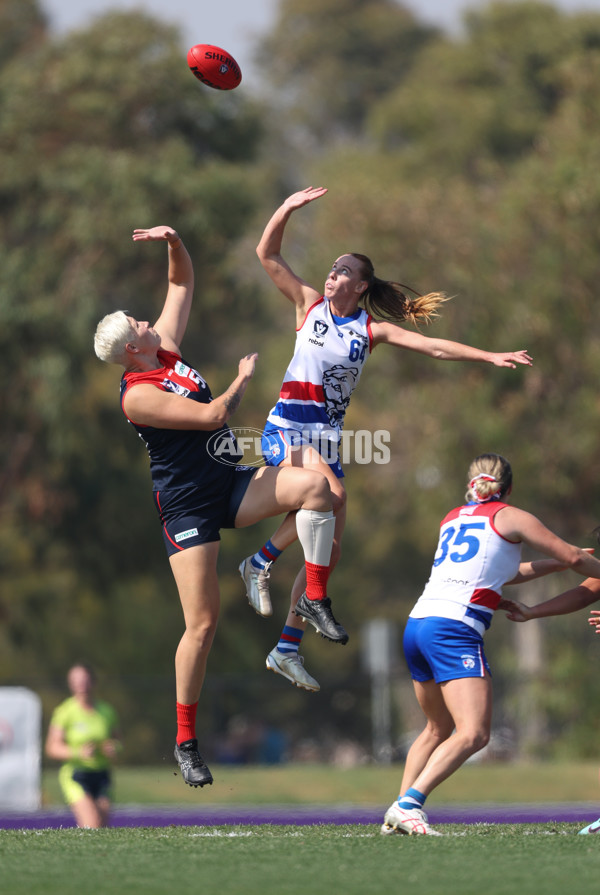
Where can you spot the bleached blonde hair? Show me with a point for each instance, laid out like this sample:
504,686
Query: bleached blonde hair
112,334
489,478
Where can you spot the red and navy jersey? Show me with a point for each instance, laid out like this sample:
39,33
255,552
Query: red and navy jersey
183,457
472,563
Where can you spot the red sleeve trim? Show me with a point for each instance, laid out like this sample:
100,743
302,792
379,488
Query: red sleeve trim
318,302
370,331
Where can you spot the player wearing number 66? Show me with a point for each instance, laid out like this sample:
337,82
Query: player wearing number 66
337,329
479,551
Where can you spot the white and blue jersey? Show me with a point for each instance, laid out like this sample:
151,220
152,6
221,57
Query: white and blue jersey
443,638
329,357
471,565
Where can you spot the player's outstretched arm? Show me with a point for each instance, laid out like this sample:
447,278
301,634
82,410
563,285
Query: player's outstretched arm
268,250
444,349
537,568
172,323
572,600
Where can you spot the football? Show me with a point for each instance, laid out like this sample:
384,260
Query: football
214,66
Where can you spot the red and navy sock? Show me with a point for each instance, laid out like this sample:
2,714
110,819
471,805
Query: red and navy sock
266,555
289,642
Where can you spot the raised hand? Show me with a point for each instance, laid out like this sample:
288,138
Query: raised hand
303,197
155,233
247,365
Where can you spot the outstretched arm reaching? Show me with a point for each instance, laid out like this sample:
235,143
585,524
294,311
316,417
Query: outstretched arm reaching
571,600
268,250
172,323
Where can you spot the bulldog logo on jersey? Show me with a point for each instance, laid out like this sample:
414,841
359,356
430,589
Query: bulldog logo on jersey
338,385
468,661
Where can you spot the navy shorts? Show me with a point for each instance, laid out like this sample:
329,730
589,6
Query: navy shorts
95,783
190,518
277,444
443,650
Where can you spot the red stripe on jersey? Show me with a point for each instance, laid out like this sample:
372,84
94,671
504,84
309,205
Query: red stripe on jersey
488,509
370,331
302,391
485,597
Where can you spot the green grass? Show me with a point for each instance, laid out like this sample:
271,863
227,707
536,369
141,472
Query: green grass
371,785
323,860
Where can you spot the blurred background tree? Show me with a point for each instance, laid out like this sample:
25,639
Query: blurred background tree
465,163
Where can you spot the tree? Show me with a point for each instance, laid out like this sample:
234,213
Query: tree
22,28
117,134
477,103
328,61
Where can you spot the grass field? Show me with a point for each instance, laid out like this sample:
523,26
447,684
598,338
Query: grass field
370,785
497,859
317,860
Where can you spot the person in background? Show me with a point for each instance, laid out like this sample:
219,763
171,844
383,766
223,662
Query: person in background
336,332
478,552
83,734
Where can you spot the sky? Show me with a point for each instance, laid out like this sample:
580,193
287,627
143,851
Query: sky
235,24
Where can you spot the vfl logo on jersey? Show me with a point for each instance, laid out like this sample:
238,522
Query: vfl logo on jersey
468,662
319,330
170,386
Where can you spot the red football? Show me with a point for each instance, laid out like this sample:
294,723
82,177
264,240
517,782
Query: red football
214,67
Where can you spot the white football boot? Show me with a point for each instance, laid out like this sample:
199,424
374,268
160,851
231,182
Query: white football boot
412,821
291,666
257,587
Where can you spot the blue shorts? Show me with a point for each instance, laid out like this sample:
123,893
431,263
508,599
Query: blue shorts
190,517
277,443
443,649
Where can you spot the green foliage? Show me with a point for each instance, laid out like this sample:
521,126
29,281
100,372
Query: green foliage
466,164
22,27
330,60
474,103
115,136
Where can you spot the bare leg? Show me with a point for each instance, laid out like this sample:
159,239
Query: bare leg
195,572
439,727
87,814
468,703
103,805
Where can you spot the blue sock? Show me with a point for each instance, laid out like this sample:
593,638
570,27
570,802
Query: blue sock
266,555
289,642
412,798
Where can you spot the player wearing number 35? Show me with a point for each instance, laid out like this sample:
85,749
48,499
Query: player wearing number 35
479,550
